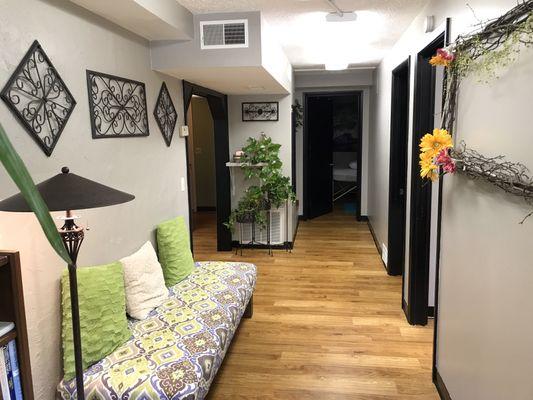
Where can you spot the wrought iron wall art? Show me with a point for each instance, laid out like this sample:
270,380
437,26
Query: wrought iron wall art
39,98
117,106
165,114
257,111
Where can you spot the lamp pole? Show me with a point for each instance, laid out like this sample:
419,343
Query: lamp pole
72,236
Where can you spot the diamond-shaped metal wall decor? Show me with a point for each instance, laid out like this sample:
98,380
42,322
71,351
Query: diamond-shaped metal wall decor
165,114
117,106
39,98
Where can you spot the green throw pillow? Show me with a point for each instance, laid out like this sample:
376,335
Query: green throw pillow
174,250
102,302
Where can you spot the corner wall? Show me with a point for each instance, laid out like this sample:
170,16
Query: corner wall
145,166
486,269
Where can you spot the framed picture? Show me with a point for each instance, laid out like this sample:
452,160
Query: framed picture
260,111
117,106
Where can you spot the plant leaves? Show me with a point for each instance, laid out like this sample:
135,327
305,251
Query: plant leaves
17,170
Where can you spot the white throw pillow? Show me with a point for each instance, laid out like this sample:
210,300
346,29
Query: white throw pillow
144,282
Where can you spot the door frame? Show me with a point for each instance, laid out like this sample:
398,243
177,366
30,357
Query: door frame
437,380
339,93
218,104
416,309
397,106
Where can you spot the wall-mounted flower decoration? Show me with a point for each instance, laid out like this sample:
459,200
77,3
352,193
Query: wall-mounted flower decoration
443,57
434,154
492,45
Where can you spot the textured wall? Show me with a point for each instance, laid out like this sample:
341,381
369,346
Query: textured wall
76,40
486,273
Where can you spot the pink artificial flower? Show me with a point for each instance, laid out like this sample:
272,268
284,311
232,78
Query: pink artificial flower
446,162
446,54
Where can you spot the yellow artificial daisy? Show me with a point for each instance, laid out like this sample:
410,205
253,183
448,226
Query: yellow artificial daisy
434,143
429,170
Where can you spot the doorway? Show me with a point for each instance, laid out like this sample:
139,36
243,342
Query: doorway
425,196
399,137
218,107
332,153
201,152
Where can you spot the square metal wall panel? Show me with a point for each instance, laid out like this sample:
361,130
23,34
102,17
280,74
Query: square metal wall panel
117,106
39,98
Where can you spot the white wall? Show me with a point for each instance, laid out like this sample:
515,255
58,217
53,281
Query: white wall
76,40
486,268
336,81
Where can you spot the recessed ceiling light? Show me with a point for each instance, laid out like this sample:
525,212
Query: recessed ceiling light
336,66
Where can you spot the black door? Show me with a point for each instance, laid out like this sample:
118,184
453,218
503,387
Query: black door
420,213
398,168
319,156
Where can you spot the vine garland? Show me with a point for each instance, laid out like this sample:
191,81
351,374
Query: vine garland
493,44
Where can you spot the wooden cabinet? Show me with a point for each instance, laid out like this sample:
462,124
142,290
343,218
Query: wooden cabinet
12,309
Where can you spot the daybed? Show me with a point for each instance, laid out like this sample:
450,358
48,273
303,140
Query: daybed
176,351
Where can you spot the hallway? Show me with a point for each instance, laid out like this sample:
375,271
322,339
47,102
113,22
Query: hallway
327,322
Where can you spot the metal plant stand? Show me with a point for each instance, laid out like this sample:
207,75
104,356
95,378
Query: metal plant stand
253,240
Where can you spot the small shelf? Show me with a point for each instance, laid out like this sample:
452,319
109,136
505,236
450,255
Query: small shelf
8,337
240,164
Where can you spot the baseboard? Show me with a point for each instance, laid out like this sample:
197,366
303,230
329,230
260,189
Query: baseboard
431,312
441,386
205,208
283,246
363,218
374,237
376,243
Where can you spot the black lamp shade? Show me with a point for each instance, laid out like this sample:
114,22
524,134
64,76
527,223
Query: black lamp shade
67,191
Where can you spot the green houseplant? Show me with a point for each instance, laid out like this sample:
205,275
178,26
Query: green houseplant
261,160
19,174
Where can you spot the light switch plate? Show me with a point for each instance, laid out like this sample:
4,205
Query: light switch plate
184,131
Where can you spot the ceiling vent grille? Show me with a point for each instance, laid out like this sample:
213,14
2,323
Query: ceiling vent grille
224,34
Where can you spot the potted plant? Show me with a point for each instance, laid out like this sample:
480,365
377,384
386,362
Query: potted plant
273,189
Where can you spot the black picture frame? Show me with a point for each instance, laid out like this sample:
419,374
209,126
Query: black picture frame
263,111
119,103
39,98
165,114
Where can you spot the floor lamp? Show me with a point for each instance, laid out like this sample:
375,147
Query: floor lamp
67,192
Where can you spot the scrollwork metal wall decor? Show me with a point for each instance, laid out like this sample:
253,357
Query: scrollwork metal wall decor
165,114
259,111
117,106
39,98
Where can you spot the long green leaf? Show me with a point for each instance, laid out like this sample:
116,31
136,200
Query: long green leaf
20,175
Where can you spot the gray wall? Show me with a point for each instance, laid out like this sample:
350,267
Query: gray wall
76,40
486,266
175,55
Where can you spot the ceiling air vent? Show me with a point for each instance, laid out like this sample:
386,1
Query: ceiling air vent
224,34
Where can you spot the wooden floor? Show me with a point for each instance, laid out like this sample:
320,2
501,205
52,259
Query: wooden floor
327,321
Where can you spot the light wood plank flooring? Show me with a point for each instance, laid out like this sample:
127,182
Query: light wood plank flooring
327,321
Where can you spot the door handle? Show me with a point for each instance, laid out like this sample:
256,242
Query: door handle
331,165
402,192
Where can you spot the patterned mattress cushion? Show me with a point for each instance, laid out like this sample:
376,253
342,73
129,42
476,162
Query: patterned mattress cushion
176,351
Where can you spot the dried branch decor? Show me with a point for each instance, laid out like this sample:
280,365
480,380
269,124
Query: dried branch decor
493,44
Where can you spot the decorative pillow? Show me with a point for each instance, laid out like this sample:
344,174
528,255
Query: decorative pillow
174,250
102,304
144,282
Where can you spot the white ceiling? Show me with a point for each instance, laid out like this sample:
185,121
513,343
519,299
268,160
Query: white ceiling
310,41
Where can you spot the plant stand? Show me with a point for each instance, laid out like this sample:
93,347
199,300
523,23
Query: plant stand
253,240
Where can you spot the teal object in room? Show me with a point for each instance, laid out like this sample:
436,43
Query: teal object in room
174,250
104,325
